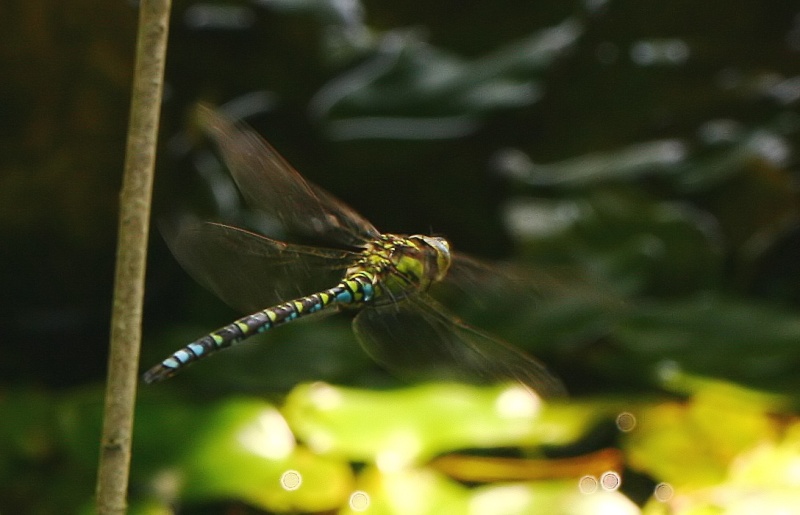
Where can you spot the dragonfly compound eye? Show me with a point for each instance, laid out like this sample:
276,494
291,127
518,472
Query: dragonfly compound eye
435,252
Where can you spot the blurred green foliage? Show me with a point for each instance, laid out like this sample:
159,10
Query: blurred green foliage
720,448
638,159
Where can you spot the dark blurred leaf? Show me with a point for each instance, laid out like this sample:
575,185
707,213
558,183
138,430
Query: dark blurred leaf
411,90
745,341
625,237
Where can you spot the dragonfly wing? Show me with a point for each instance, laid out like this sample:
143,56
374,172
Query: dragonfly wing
249,271
551,304
416,338
271,184
495,286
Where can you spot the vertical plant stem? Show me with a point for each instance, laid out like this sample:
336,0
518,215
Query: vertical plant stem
126,318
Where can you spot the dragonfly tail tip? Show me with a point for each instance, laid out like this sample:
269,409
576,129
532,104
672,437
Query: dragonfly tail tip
156,374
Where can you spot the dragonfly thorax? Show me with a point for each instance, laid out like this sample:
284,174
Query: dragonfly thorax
400,264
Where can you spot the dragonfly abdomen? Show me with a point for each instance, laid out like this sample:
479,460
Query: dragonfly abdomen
357,288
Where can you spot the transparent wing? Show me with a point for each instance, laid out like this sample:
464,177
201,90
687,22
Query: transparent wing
547,305
494,287
416,338
273,186
248,271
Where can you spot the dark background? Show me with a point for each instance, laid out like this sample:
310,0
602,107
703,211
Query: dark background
64,108
651,146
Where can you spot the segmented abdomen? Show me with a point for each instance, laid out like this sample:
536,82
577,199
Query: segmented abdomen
356,289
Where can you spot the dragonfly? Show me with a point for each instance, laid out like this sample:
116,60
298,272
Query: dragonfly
384,280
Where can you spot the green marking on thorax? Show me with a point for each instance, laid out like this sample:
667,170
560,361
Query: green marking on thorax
401,265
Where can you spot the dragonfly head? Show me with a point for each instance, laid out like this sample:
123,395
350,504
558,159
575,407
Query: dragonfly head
434,255
418,261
